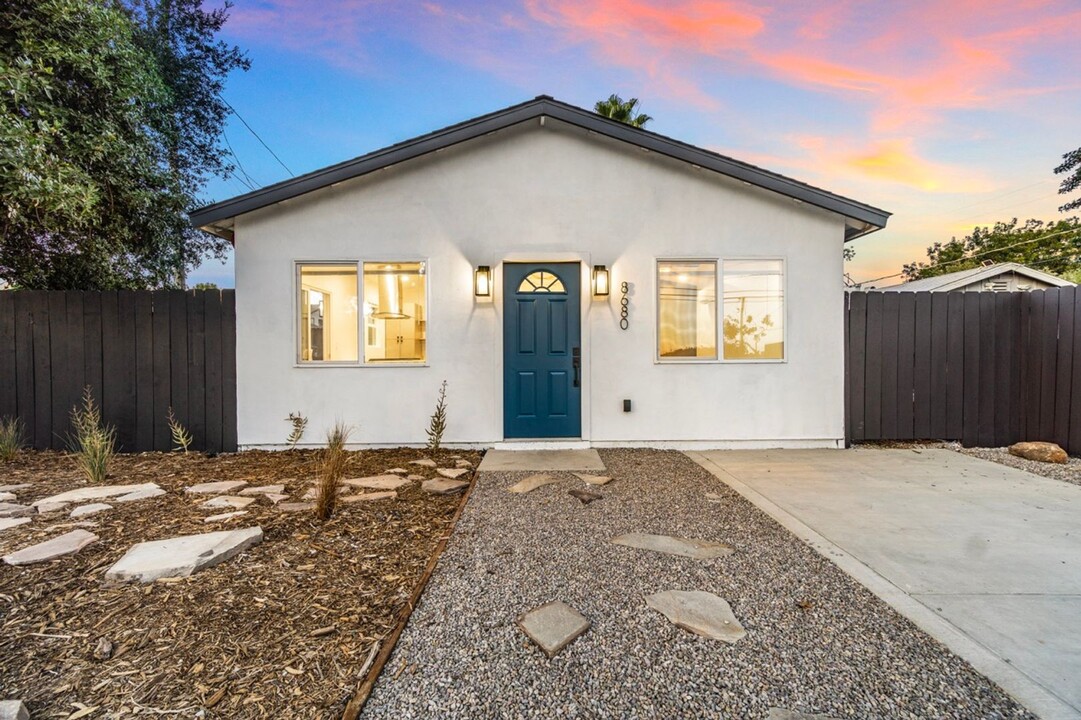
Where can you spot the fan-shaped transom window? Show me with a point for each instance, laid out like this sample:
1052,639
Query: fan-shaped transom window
541,281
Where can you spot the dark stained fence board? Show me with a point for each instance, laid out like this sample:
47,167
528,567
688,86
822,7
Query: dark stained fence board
161,375
1063,365
955,366
228,362
92,346
144,370
906,358
1075,387
9,406
939,357
126,418
178,349
857,316
891,303
196,367
971,373
921,391
43,397
212,353
24,363
59,370
985,422
1050,360
873,386
1006,310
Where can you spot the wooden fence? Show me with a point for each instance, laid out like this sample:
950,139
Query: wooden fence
984,368
141,352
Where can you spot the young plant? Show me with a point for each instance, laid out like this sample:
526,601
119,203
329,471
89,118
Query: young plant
182,439
93,444
438,422
333,467
11,437
299,423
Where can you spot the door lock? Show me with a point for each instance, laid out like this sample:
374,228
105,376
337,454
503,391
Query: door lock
576,363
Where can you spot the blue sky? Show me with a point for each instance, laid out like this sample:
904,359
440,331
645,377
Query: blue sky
948,114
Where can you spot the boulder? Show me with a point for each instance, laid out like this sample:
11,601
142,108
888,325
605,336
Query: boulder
181,556
59,546
1039,451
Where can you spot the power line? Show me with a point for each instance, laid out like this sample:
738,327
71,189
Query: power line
252,131
252,182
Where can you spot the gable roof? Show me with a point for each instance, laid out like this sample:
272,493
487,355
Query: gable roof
961,278
860,217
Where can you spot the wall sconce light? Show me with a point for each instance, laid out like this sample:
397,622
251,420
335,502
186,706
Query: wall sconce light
600,280
482,281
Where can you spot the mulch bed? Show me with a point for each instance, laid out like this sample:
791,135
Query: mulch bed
284,630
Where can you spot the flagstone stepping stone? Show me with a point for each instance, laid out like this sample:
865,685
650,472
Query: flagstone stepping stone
6,523
452,473
11,510
13,710
443,487
425,462
90,509
378,482
714,498
585,496
14,488
59,546
415,478
232,501
783,714
263,490
216,488
362,497
531,483
397,471
225,516
460,463
553,626
140,495
91,492
593,479
8,496
699,549
181,556
295,506
275,497
703,613
50,507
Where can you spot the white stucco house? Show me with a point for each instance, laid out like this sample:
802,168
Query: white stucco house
575,280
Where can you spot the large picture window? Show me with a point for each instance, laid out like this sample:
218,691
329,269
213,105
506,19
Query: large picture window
687,309
328,313
753,323
395,323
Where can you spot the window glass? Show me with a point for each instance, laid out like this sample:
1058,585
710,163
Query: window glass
687,309
395,321
753,309
541,281
328,313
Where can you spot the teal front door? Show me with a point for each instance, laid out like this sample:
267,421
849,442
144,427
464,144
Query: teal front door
542,373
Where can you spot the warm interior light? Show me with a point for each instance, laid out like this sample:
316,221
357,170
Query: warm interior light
600,280
482,281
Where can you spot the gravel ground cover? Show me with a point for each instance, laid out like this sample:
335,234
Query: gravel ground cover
281,631
817,641
1069,472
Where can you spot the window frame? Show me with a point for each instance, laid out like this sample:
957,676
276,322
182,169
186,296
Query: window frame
358,265
719,320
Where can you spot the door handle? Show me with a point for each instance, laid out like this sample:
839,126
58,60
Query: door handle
576,363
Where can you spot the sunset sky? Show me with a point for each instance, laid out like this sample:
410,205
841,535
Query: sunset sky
948,114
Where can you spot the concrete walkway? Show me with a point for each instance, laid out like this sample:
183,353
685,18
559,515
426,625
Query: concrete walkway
556,460
984,557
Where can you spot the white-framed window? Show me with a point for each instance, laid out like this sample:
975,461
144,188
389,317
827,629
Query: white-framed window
750,325
366,312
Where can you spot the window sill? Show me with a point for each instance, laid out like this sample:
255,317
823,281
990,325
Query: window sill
341,365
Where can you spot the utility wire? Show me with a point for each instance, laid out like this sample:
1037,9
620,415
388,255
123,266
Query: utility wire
252,182
252,131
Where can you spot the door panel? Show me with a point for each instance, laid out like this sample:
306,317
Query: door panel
541,346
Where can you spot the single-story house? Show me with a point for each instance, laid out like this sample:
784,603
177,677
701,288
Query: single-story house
575,280
996,277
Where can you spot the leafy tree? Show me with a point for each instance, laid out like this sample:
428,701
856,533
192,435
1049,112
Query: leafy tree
625,112
205,286
1054,247
1070,161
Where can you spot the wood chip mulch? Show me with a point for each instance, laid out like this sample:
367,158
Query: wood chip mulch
287,629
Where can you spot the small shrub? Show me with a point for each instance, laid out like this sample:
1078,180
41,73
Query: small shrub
333,467
438,422
299,424
92,443
11,437
182,439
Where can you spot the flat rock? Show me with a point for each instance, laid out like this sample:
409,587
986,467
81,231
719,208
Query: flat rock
584,495
362,497
461,463
12,510
593,479
295,506
15,488
378,482
263,490
140,495
1047,452
216,488
92,492
13,710
275,497
6,523
181,556
59,546
233,501
47,507
451,473
702,613
424,462
415,478
89,509
225,516
8,496
443,487
685,547
531,483
783,714
553,626
714,498
397,471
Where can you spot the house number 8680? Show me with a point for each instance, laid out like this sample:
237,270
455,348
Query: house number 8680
624,307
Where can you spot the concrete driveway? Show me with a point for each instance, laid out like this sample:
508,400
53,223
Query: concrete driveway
984,557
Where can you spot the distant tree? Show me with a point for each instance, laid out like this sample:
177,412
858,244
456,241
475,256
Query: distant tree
205,286
625,112
1053,247
1070,161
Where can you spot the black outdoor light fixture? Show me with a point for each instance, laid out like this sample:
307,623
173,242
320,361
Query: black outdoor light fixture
482,281
600,280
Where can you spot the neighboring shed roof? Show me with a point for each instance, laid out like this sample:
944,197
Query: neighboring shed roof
961,278
860,218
